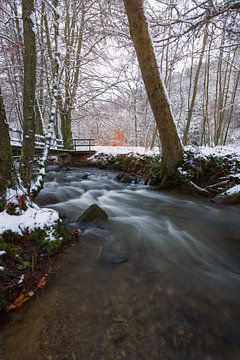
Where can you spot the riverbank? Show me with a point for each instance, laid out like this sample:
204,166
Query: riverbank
214,173
26,261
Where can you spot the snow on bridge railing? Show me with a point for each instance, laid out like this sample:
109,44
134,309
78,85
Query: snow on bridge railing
16,137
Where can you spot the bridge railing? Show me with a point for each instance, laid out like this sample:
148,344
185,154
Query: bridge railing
16,137
80,144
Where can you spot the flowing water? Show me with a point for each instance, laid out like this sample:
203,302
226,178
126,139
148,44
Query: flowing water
176,296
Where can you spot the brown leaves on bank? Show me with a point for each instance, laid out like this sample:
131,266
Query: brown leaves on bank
20,300
22,297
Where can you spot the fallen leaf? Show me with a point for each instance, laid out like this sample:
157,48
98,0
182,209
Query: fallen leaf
20,300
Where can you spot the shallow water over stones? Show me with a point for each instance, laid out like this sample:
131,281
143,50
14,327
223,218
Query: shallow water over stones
175,295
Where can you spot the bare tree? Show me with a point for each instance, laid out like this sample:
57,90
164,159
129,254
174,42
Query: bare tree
28,149
171,145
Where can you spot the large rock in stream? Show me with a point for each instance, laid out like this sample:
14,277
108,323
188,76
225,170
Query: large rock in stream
93,214
114,257
229,197
125,178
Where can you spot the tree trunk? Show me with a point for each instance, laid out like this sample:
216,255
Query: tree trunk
66,128
6,159
194,94
29,60
171,145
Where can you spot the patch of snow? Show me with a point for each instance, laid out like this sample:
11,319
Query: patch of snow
34,23
12,195
232,191
1,268
32,218
182,172
236,176
21,279
2,252
115,150
198,151
217,151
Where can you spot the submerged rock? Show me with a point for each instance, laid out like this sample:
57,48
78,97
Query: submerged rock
115,257
85,176
125,178
92,214
118,333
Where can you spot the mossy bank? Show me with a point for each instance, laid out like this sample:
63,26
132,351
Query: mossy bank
208,175
26,259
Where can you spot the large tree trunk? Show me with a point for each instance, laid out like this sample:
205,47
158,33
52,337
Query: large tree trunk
6,159
171,145
28,93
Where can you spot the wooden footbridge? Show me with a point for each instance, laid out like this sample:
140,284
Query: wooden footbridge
81,147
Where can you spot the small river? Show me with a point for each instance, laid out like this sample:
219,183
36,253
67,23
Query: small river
176,296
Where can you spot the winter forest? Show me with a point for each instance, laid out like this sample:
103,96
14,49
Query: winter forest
87,45
119,179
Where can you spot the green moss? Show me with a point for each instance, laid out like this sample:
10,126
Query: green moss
218,162
9,236
37,235
156,169
40,237
119,160
12,250
51,247
27,265
61,234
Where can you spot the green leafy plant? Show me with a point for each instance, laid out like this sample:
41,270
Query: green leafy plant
12,250
51,247
156,170
219,162
119,160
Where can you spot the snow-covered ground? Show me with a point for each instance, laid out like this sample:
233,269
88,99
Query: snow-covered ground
32,218
114,150
199,151
217,151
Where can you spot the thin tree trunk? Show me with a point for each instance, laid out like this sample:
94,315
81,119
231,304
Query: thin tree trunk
194,94
6,159
29,85
171,145
232,103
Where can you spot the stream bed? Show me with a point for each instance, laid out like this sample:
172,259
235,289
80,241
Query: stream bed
175,297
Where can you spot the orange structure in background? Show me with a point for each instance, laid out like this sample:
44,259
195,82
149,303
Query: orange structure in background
119,138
